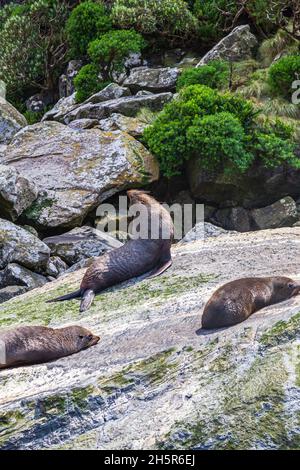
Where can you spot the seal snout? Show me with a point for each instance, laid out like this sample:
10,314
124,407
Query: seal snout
296,289
93,339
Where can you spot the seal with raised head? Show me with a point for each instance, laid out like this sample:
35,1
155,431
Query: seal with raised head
237,300
136,257
25,345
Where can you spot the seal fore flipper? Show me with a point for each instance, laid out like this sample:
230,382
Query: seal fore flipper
161,268
87,300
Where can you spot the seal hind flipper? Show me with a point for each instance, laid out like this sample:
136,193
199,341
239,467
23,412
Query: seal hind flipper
161,268
72,295
87,300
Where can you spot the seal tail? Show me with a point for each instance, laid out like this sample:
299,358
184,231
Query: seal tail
72,295
87,300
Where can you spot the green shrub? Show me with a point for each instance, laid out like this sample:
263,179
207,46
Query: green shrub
214,75
219,129
169,18
87,82
87,21
32,49
111,50
282,74
219,142
212,21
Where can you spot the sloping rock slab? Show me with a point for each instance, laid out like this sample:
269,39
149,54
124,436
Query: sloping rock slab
152,79
155,380
75,170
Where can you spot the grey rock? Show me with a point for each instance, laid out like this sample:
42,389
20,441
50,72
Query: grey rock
19,246
204,230
56,266
11,121
282,213
237,45
132,125
66,81
111,92
75,170
38,102
62,107
16,275
7,293
152,382
128,105
84,123
16,192
152,79
80,243
235,218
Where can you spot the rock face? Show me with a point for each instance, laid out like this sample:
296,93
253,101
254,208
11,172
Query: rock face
75,170
236,218
258,187
20,246
16,275
155,380
131,125
80,243
11,121
62,107
238,45
16,192
152,79
204,230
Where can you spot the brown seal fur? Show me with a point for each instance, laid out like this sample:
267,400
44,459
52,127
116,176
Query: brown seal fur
35,344
136,257
237,300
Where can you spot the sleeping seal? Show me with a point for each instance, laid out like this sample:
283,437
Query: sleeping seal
138,256
237,300
35,344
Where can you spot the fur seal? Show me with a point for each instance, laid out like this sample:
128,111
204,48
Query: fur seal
237,300
35,344
134,258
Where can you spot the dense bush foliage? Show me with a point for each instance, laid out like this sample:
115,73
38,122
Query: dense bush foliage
32,44
220,130
283,73
87,82
170,18
87,21
214,75
111,50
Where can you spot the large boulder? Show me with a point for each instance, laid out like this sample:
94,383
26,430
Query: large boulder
233,218
7,293
16,192
75,170
80,243
11,121
127,105
258,187
282,213
203,230
113,91
237,45
156,380
20,246
152,79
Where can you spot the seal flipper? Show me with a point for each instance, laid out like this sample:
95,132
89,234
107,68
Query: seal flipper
72,295
158,270
87,300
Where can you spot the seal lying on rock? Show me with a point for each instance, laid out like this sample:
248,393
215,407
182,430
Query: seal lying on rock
237,300
35,344
136,257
